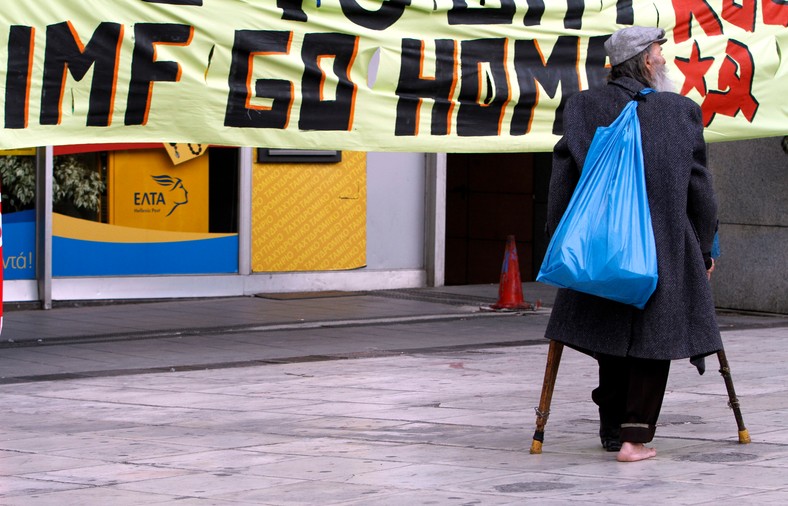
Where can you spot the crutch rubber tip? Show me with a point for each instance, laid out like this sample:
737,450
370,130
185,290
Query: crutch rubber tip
744,437
536,447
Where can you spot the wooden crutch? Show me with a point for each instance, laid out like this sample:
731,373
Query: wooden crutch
543,411
733,401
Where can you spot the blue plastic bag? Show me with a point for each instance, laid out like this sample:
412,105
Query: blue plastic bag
715,246
604,243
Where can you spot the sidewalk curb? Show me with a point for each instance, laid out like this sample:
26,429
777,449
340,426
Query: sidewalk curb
256,327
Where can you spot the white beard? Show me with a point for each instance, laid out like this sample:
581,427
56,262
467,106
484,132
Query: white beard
662,81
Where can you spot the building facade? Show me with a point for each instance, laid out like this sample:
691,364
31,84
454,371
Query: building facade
117,222
227,222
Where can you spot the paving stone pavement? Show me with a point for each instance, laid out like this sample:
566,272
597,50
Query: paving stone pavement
412,397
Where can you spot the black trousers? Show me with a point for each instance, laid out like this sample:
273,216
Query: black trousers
629,396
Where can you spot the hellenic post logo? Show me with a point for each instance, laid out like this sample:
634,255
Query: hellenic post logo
177,194
168,200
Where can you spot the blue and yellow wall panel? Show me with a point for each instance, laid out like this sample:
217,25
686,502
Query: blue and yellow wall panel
310,216
86,248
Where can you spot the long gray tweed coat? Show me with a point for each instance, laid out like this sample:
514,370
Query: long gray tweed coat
679,320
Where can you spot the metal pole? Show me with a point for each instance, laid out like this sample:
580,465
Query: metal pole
245,162
44,171
435,218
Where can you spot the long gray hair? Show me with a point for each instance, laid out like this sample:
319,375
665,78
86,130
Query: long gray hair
635,68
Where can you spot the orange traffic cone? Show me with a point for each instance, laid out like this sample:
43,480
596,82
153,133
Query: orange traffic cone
510,291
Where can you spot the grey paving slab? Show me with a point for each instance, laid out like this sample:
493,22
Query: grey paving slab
16,486
103,475
205,485
433,497
221,460
308,493
82,496
27,464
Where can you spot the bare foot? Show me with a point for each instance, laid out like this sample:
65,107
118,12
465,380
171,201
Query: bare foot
633,452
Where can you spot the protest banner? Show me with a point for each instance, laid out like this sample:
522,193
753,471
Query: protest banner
366,75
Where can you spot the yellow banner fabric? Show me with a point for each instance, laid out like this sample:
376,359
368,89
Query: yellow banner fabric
366,75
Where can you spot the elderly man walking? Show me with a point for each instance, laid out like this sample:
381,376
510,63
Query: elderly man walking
634,347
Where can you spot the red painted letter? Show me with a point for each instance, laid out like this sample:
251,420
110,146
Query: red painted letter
685,10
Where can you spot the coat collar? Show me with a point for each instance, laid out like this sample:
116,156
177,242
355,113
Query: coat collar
629,84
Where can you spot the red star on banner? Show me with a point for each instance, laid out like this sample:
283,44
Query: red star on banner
694,69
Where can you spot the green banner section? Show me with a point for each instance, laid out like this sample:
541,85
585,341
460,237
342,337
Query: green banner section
366,75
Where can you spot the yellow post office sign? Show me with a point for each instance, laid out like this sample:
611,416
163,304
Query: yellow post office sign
146,190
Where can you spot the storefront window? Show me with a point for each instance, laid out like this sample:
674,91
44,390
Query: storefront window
144,211
18,179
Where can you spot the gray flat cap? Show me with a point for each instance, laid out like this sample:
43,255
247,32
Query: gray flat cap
631,41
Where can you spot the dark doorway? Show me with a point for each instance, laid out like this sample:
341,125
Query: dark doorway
223,192
489,197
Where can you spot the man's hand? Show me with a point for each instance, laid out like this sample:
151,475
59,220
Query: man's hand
710,270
